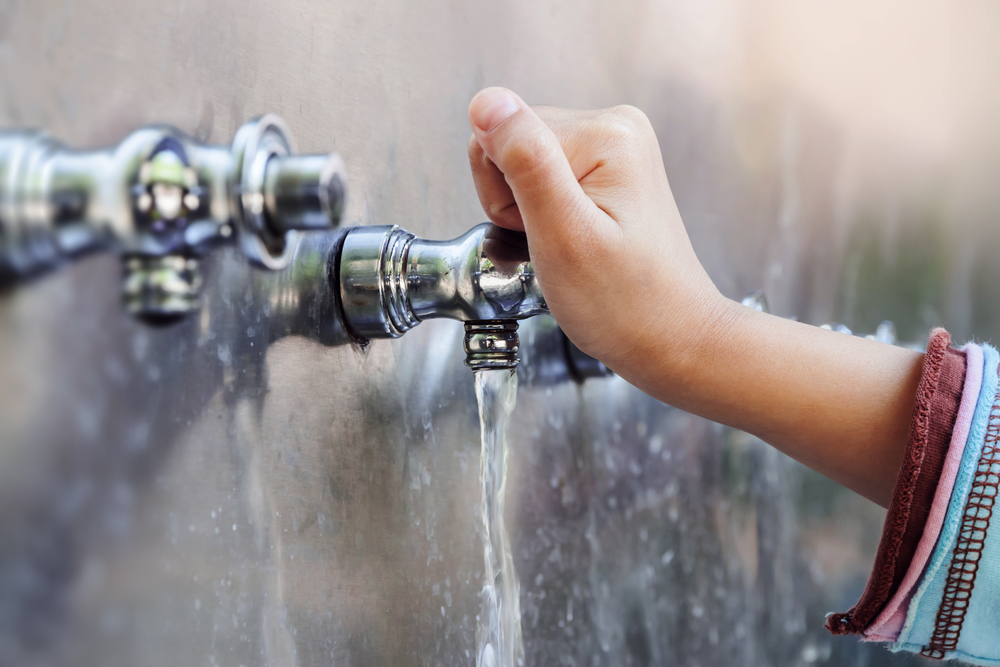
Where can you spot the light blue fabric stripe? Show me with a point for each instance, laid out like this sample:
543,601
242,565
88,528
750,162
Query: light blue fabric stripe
981,631
920,617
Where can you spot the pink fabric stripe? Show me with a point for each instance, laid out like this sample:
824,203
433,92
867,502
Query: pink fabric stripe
890,621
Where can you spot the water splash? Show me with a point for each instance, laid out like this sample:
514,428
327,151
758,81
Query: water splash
499,633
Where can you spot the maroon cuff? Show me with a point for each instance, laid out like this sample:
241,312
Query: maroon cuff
938,398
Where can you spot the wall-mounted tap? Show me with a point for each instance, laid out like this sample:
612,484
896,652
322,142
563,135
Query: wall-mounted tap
390,281
354,284
161,199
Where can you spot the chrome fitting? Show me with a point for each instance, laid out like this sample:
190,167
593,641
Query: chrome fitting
162,199
160,289
374,282
390,281
280,193
491,344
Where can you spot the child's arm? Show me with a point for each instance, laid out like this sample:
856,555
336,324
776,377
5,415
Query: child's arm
620,275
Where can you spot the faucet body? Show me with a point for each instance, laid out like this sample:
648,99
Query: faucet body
390,281
162,199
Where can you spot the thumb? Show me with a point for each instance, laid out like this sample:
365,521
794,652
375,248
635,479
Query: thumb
533,163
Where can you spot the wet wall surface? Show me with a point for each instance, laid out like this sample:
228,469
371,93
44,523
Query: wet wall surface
231,490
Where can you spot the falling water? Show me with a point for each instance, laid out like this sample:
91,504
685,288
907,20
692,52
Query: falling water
499,634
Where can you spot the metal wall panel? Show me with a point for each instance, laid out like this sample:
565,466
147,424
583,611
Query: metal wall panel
231,491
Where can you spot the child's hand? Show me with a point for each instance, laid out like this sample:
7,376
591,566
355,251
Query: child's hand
620,276
606,240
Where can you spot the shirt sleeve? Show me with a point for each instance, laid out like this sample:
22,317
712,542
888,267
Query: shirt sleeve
938,397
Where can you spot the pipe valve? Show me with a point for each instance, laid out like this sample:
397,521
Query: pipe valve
390,281
161,199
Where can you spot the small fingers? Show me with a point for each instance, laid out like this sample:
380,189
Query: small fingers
533,164
494,193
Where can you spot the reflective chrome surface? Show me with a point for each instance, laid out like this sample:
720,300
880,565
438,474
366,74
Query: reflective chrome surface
163,199
491,344
390,280
641,535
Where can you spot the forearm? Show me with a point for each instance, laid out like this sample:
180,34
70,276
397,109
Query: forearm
839,404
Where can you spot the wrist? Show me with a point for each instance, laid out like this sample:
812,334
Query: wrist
679,345
721,325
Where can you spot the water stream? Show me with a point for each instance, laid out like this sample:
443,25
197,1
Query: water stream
499,633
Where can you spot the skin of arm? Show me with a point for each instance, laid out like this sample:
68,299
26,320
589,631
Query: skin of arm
621,278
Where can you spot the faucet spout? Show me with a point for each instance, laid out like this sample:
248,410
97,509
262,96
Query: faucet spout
390,281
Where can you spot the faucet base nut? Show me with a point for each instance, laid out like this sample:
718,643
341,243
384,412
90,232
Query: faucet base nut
161,288
491,344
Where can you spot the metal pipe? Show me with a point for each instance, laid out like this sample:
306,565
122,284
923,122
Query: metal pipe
162,199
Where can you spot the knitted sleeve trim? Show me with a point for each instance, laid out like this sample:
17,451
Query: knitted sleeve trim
944,412
890,621
938,398
968,552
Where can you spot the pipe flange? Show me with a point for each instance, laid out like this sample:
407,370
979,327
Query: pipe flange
256,143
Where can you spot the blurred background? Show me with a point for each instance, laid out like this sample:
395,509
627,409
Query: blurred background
218,492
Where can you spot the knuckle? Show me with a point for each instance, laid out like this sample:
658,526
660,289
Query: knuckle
621,139
626,130
632,115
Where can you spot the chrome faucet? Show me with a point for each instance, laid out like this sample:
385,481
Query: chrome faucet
355,284
162,199
390,281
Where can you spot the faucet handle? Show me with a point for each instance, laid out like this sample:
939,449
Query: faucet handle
278,193
303,192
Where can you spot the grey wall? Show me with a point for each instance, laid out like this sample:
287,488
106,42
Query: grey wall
220,493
